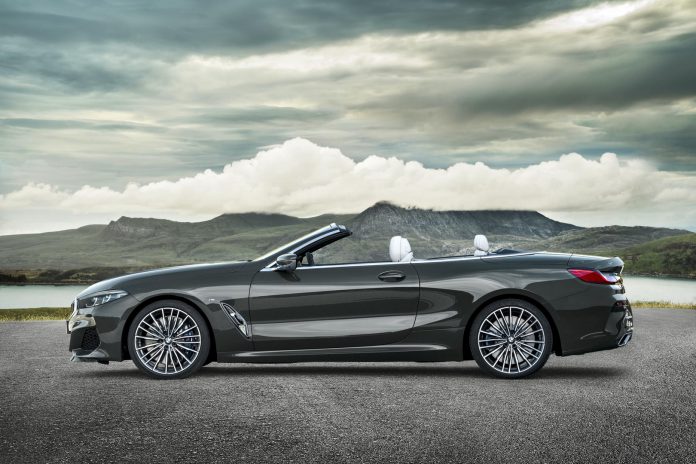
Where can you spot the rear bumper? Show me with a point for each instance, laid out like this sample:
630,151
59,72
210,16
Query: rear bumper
616,330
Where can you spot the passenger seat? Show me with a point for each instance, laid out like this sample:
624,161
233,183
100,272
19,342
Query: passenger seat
400,250
481,245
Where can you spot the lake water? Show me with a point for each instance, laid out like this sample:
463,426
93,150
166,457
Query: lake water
36,296
660,289
637,288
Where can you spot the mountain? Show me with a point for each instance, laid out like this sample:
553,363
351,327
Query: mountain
128,244
146,242
428,224
440,233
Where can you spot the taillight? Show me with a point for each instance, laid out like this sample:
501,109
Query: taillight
593,276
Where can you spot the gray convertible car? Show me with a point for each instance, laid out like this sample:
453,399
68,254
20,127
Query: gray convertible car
508,310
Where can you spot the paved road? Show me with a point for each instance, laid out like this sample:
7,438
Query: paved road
632,404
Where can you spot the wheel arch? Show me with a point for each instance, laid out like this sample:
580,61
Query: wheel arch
212,355
534,299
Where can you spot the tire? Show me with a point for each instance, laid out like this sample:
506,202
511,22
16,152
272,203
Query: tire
168,339
511,339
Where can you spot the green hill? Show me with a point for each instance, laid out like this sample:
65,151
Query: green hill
96,252
675,256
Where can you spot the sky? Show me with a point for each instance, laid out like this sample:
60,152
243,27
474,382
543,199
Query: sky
585,111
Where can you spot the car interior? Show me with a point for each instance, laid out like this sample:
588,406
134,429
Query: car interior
400,251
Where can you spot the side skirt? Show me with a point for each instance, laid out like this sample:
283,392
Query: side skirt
425,346
396,352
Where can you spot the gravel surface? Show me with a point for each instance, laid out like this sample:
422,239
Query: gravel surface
627,405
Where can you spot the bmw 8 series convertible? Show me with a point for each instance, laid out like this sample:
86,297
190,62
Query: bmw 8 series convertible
506,309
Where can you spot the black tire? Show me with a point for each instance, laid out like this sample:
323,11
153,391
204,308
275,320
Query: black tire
168,339
511,339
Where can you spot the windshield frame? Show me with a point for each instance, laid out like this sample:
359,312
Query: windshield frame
299,243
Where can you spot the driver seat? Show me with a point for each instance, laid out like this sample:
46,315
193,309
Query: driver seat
400,250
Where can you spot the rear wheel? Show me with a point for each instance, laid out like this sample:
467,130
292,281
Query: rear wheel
168,340
511,338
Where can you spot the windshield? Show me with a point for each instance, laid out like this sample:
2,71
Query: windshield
294,242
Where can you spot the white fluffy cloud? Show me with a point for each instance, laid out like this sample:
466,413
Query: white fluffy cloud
304,179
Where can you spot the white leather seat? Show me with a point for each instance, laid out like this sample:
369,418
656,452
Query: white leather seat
481,245
400,250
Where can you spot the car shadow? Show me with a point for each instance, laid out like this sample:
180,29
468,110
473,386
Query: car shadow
424,370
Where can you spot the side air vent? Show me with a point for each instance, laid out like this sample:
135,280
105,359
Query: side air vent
237,319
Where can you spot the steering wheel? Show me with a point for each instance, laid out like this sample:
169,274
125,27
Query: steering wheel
310,259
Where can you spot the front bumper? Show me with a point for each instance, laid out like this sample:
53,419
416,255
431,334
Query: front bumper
84,338
96,336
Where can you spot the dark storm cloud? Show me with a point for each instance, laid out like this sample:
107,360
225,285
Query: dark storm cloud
668,136
612,80
75,124
556,80
260,114
74,70
242,24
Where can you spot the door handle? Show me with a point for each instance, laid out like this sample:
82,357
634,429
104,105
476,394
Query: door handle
391,276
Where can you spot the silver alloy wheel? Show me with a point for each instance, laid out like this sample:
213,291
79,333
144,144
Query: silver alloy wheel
511,340
167,340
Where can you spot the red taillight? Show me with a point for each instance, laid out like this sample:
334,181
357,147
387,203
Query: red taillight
594,277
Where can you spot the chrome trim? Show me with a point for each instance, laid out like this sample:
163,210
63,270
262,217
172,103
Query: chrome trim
625,339
237,319
74,309
331,266
80,321
98,355
468,257
372,349
628,320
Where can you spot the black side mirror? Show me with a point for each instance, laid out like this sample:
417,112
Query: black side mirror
287,262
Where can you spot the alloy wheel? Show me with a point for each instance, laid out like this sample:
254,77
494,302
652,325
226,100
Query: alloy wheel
511,340
167,341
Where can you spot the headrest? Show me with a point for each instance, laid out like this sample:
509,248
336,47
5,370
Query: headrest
481,245
400,249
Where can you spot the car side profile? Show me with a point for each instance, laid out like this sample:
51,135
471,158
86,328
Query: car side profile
507,310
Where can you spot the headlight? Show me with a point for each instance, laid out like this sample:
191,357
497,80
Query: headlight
100,298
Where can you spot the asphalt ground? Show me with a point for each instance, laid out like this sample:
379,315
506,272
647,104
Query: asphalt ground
633,404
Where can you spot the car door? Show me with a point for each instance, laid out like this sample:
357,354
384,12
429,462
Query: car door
332,306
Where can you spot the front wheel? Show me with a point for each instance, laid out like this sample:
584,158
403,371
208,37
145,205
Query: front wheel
511,339
168,340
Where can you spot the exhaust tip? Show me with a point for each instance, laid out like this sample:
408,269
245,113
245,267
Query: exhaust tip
625,339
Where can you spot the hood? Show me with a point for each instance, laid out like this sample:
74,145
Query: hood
126,281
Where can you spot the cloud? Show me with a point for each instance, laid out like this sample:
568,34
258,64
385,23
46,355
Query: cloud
108,93
302,178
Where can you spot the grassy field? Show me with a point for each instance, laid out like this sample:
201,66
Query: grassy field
34,314
662,305
48,314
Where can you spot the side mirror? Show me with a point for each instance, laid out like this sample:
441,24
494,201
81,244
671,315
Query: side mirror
287,262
